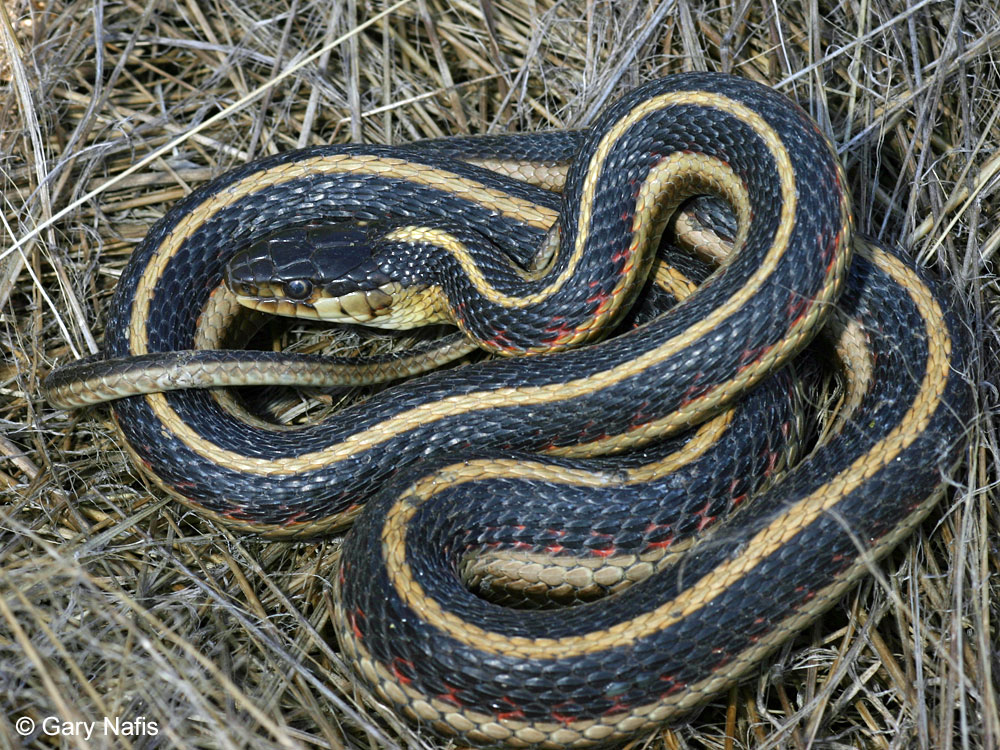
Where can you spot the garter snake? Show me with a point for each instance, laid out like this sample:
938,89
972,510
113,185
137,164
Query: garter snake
451,461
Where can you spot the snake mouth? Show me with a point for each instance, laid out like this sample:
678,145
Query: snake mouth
359,306
390,306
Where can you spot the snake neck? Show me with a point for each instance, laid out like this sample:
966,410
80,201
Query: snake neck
604,248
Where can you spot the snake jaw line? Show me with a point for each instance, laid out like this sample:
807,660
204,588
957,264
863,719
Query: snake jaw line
276,306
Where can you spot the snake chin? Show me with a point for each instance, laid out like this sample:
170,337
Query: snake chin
390,306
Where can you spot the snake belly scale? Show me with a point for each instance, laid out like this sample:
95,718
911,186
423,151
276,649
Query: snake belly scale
452,460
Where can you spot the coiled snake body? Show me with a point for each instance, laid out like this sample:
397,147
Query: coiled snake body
474,470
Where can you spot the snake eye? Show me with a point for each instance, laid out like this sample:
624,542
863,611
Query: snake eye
298,288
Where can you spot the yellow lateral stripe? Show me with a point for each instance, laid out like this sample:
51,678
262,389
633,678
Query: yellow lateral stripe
766,542
677,98
705,437
510,206
431,412
635,718
678,173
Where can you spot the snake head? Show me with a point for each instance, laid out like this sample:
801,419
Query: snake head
342,272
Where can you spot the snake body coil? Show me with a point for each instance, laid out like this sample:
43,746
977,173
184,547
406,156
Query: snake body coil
464,495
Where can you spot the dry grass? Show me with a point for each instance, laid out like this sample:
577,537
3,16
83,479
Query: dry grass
115,602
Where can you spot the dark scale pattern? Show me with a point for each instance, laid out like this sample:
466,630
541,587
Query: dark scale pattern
553,147
200,261
609,232
636,517
496,514
651,393
650,668
343,197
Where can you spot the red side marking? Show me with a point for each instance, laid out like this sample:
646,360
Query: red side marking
585,435
797,307
641,418
662,545
523,545
752,355
559,333
622,254
600,297
293,519
832,256
510,716
772,459
451,696
556,339
726,658
563,718
675,685
515,713
694,392
554,549
736,497
500,341
603,551
354,623
705,518
395,665
827,248
617,707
